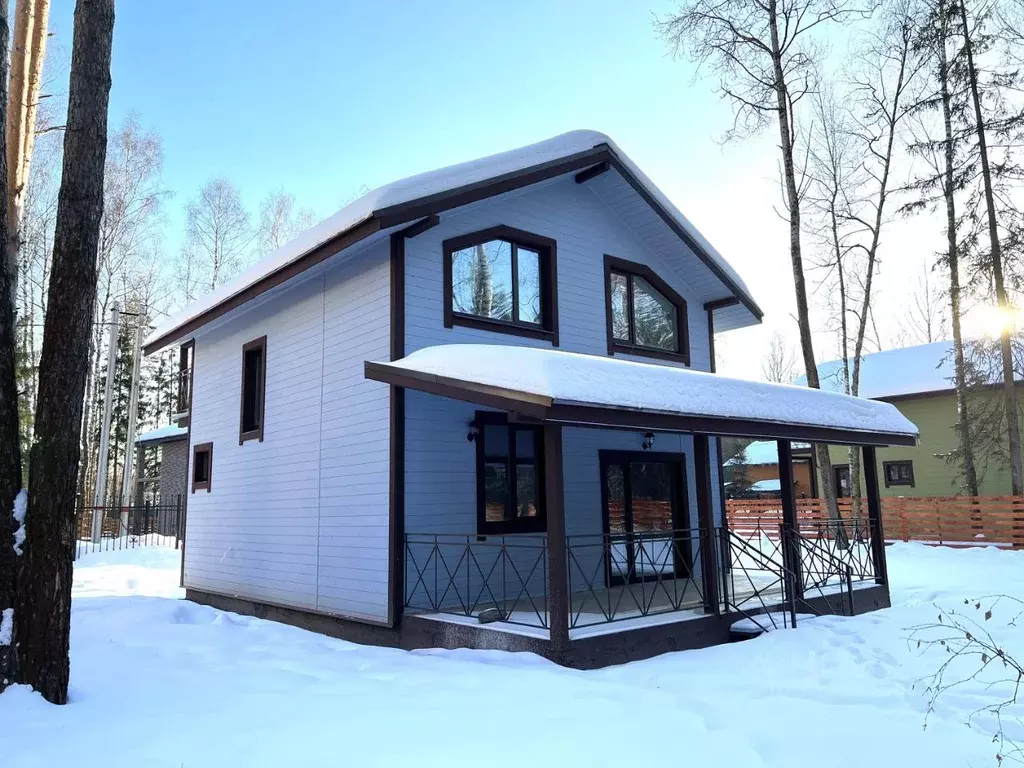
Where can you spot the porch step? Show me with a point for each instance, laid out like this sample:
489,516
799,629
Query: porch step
758,624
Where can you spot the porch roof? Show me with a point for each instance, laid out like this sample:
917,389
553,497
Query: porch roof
596,391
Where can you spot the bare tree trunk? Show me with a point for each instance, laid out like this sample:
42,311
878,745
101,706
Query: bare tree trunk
10,437
793,204
1009,390
30,31
43,608
963,424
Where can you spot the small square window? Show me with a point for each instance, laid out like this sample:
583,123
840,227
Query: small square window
202,467
898,473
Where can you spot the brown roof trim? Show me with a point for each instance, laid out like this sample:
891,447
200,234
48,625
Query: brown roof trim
685,236
535,406
728,301
321,253
424,207
593,171
544,408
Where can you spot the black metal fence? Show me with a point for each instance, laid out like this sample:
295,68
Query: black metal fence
769,575
502,578
142,523
614,577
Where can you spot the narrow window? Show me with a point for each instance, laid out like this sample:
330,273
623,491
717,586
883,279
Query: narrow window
254,364
645,315
509,488
898,473
501,279
202,467
186,355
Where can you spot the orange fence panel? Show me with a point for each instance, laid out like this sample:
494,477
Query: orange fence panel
954,520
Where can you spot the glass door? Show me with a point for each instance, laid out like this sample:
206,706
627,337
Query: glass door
643,494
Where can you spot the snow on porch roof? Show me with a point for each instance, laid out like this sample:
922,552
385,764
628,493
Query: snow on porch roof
567,387
413,198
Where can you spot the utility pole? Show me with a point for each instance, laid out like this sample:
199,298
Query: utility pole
133,411
100,492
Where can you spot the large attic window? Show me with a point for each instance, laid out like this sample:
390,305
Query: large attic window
645,315
502,279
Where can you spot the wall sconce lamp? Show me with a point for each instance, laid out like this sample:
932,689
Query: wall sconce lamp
648,442
474,432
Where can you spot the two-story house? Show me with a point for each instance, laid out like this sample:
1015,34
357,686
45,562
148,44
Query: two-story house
477,408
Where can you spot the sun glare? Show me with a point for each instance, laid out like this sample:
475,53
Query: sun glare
989,320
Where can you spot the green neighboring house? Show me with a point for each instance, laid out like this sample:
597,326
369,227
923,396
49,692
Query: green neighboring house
919,382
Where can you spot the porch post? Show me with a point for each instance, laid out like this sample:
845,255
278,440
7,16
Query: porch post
706,523
790,545
554,505
874,514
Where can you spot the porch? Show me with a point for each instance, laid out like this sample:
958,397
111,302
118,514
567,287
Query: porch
611,537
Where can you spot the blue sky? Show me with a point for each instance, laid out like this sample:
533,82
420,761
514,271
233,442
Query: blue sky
322,99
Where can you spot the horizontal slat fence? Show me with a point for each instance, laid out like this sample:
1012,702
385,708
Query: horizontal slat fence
949,520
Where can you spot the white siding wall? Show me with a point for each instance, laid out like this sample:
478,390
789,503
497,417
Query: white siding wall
440,463
585,229
301,518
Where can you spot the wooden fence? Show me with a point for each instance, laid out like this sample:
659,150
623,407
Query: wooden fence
950,520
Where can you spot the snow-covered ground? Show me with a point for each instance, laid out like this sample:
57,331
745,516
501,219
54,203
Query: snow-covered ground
160,682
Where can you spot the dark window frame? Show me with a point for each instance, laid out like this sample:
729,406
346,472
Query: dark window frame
836,469
548,250
631,269
200,485
186,365
885,473
485,527
261,393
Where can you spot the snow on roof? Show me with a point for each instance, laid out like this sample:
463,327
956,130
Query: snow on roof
894,372
169,432
568,378
424,185
762,486
762,452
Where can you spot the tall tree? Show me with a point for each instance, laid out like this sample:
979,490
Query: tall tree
944,175
10,452
971,34
780,363
43,600
767,54
30,33
280,220
218,238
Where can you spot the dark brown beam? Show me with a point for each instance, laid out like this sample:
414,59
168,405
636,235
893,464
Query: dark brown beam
554,509
790,544
591,172
728,301
706,523
420,226
875,514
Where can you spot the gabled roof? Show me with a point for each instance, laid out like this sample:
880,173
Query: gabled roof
763,452
413,199
163,434
923,369
551,385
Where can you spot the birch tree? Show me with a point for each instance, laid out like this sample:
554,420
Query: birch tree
42,615
218,238
280,221
767,54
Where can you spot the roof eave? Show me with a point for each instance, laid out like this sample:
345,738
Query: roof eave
431,205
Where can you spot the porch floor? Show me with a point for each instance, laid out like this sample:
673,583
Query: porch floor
624,607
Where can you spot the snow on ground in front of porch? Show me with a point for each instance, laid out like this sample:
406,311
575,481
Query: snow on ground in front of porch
157,681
